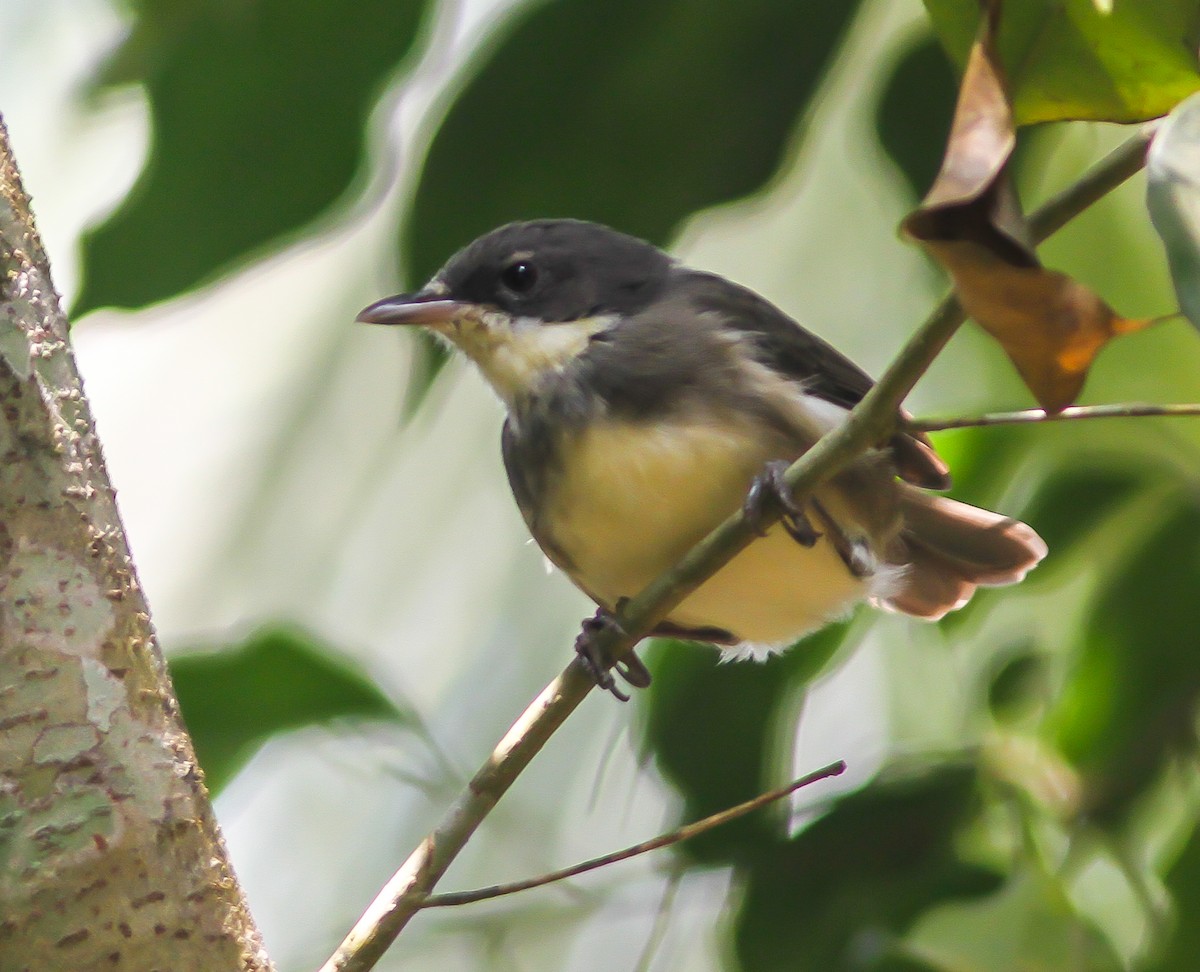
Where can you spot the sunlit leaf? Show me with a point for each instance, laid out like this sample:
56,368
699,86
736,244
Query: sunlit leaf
1080,59
257,113
1173,197
1031,925
234,699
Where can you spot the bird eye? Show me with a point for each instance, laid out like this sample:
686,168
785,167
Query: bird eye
519,277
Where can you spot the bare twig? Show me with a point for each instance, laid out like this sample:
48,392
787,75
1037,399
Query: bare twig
685,832
1033,416
870,422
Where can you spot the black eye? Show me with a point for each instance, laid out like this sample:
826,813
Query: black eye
519,276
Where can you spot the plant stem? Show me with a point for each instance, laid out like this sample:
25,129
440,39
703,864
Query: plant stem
1032,416
686,832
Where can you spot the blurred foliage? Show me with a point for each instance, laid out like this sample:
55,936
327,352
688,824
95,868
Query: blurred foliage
913,117
257,111
276,681
1130,705
640,114
841,893
688,103
1085,59
1183,884
703,714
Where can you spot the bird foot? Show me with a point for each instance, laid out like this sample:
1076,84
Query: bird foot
597,662
769,490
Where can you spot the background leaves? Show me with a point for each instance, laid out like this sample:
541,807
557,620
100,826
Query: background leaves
1079,59
276,681
257,113
692,103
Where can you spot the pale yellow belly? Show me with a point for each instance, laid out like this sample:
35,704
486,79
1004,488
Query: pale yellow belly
634,500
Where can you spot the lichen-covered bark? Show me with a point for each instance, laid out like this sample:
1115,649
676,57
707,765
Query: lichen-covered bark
109,854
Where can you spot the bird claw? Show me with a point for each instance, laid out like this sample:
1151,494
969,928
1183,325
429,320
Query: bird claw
597,662
769,490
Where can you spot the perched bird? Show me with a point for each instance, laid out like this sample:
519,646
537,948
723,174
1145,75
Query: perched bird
647,401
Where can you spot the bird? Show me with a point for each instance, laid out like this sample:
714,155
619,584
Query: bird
647,401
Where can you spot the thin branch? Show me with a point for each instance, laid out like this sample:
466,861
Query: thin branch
868,423
685,832
1033,416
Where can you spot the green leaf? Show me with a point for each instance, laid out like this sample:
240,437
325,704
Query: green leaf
914,112
1182,945
279,679
1074,499
1031,923
712,729
1173,198
1131,702
633,114
841,893
257,114
1085,59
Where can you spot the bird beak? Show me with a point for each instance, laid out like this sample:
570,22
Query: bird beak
428,309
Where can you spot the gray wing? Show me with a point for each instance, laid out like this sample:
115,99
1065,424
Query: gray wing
826,372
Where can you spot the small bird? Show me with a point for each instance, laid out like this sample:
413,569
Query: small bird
647,401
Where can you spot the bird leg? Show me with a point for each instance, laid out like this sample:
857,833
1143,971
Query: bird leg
597,662
769,490
855,552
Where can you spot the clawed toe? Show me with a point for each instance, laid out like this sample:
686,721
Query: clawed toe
769,490
597,662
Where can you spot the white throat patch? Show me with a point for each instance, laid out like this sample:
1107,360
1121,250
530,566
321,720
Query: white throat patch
513,352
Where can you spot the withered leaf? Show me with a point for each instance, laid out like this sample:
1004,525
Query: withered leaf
1051,327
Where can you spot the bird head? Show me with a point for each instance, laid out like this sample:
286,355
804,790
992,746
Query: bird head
527,298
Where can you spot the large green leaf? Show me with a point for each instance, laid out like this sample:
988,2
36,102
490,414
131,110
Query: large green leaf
279,679
1085,59
634,114
257,110
712,730
840,893
1173,198
1179,952
1132,699
914,112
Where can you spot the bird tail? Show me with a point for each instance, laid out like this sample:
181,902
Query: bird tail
952,548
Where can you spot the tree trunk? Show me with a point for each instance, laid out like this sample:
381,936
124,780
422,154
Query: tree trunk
110,856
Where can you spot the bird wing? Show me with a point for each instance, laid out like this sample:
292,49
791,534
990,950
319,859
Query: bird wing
825,372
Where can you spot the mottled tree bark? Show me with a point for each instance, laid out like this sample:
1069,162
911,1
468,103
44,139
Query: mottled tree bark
109,853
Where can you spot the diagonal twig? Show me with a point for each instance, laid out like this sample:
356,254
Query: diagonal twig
685,832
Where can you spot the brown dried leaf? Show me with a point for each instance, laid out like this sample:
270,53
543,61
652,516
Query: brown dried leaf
1051,326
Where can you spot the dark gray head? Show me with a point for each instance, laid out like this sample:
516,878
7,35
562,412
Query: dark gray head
525,299
556,270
